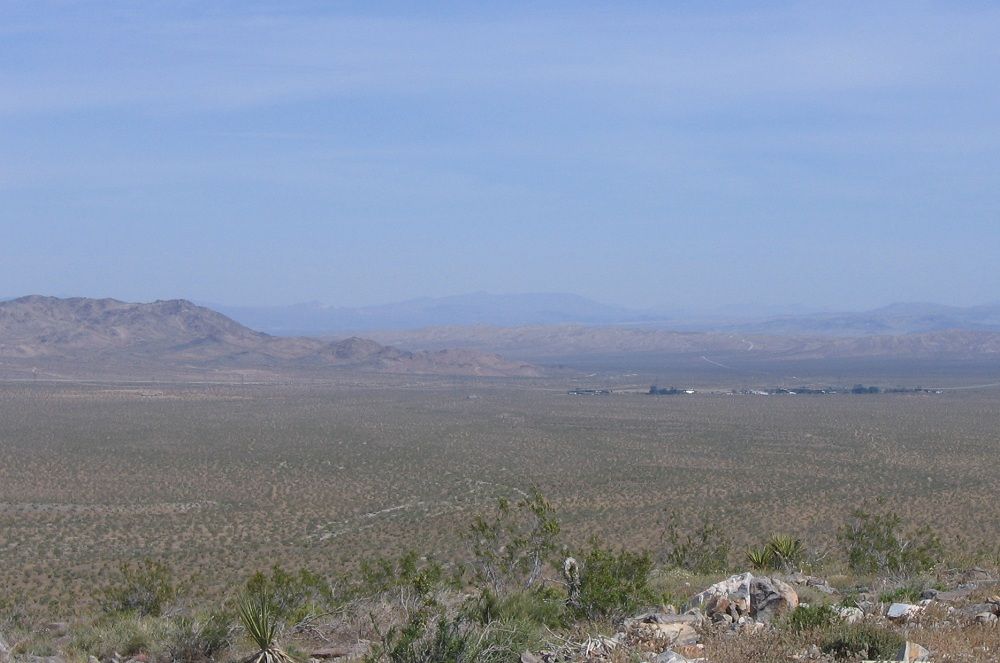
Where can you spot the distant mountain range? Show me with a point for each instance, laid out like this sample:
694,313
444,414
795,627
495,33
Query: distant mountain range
98,333
904,318
478,308
78,336
484,309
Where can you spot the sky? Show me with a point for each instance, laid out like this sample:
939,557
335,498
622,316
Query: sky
689,155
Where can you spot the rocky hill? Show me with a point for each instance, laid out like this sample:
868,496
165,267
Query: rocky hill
98,332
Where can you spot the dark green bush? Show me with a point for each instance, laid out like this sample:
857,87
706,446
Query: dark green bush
292,596
807,617
511,548
876,543
705,550
864,640
908,593
420,575
145,589
434,637
614,584
198,639
539,607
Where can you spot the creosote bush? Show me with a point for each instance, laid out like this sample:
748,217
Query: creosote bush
613,584
862,640
292,597
410,571
145,589
510,549
705,550
875,543
198,639
806,617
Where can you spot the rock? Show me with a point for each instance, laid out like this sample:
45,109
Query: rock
976,574
987,618
902,612
759,597
735,589
851,615
664,618
867,607
690,651
528,657
912,652
670,656
93,659
954,595
770,597
677,633
332,651
974,610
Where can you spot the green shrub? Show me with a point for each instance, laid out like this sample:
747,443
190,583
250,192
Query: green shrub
876,544
538,607
420,575
198,639
706,550
292,596
510,550
614,584
863,640
908,593
807,617
145,589
121,633
434,637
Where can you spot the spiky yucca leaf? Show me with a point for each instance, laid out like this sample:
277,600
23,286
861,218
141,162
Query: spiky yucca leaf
261,625
786,549
761,559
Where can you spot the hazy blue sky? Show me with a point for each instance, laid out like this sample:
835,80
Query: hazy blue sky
691,154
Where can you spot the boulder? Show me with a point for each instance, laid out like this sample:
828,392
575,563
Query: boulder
718,597
746,595
987,618
676,629
911,652
770,597
902,612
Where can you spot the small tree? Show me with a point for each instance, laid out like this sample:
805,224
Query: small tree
510,549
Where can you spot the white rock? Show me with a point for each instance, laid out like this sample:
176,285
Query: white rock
912,653
901,612
851,615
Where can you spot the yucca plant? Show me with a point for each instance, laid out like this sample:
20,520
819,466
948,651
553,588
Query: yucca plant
786,550
761,559
261,625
